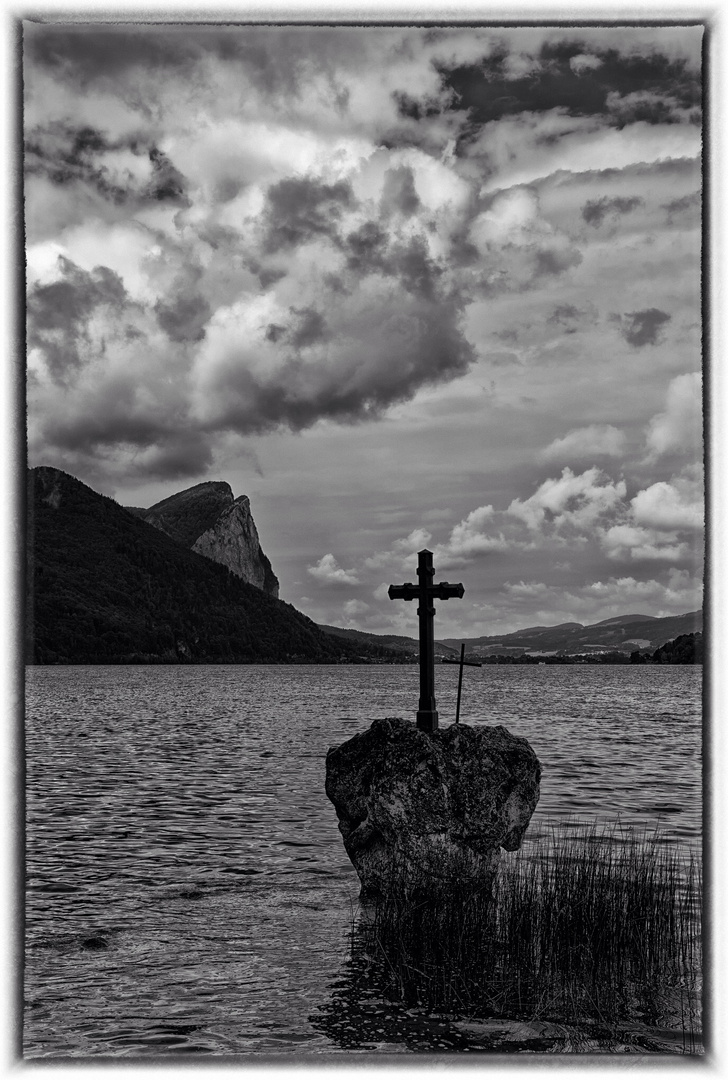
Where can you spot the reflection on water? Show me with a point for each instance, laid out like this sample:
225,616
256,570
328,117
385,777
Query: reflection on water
187,886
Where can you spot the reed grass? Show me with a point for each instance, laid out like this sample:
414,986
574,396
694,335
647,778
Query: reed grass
593,924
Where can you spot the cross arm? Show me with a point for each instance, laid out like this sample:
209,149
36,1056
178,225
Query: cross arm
408,591
445,591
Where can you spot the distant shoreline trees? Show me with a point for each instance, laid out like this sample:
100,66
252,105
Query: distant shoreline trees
685,649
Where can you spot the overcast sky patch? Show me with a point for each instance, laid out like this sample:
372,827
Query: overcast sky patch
402,286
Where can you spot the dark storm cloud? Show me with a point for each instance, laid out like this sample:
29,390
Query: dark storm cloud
160,452
300,209
114,420
416,341
274,332
596,210
366,247
310,329
553,261
408,262
415,270
652,108
86,54
179,455
488,91
167,183
58,313
399,192
65,154
307,327
414,109
81,53
185,317
683,206
642,327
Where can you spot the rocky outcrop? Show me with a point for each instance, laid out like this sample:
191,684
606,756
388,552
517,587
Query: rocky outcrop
208,519
424,812
233,541
187,514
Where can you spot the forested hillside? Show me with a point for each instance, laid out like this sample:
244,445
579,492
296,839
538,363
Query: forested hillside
106,587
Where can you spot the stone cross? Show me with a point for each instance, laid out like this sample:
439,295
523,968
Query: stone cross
425,592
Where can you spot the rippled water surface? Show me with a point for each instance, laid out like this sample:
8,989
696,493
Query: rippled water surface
188,890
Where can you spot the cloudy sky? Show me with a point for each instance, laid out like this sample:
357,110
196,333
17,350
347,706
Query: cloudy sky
403,287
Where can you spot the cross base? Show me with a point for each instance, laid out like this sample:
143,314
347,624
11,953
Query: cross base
427,720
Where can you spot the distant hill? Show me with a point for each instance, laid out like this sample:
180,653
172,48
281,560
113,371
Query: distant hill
625,620
104,586
624,633
396,643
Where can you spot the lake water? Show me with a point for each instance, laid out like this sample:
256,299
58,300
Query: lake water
187,887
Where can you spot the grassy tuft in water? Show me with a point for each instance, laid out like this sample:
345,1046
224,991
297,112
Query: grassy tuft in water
593,925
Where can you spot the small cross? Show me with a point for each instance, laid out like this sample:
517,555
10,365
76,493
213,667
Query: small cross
425,592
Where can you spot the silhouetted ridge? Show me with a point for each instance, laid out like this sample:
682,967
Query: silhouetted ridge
106,587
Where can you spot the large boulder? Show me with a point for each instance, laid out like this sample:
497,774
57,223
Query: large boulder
422,812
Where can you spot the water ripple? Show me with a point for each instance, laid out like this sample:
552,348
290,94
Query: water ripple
188,891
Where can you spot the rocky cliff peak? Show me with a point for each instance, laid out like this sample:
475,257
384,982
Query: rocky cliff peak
211,521
187,514
233,541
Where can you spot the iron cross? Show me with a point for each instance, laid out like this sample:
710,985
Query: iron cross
425,592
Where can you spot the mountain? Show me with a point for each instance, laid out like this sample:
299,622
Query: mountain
625,620
405,645
624,633
105,586
210,520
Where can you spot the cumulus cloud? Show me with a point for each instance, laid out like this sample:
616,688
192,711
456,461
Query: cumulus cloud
518,245
328,572
300,209
627,541
311,339
594,601
246,231
399,556
62,314
302,268
575,500
584,62
669,506
131,170
577,508
470,539
653,106
531,590
353,608
594,440
663,523
678,430
656,531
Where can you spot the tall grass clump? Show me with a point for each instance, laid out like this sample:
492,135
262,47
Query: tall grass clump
592,924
